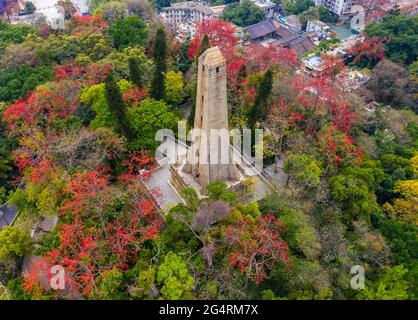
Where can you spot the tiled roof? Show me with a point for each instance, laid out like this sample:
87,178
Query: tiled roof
300,47
7,215
261,29
285,35
267,27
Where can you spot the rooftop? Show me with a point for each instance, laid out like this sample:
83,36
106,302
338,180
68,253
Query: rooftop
8,213
302,46
313,62
218,9
262,28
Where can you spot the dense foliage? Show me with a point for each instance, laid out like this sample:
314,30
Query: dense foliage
243,13
79,111
400,36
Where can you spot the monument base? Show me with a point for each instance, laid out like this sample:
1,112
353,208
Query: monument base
181,180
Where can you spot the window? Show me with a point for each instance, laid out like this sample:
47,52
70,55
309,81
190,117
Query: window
217,69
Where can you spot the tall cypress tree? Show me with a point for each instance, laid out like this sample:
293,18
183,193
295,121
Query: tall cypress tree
160,61
260,109
134,73
116,105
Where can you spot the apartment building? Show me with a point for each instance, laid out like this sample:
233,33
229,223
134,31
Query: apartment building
339,7
188,12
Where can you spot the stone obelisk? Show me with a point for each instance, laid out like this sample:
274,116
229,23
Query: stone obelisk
210,159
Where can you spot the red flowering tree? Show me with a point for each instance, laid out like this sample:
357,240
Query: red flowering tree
95,74
68,71
104,225
240,60
91,195
88,76
134,96
317,100
341,115
83,24
333,65
337,147
220,33
259,58
368,51
256,246
54,100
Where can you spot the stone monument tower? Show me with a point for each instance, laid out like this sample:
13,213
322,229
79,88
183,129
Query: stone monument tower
210,158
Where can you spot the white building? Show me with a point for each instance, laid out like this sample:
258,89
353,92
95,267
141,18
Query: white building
267,6
321,29
51,12
185,32
188,12
339,7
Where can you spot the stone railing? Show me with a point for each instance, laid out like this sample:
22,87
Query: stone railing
178,181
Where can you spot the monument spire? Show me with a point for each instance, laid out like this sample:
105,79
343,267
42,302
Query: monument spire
210,158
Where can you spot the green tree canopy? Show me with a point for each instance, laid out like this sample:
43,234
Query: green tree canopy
389,286
151,116
18,82
134,72
219,191
159,55
402,36
243,13
14,33
260,108
111,10
116,105
305,169
95,98
14,243
29,7
174,87
353,196
129,31
111,285
297,6
174,277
